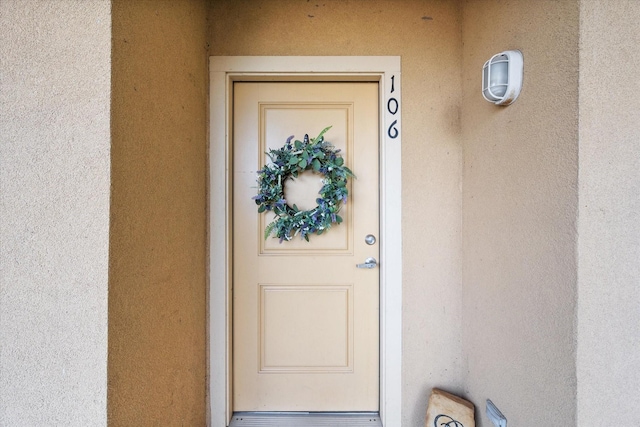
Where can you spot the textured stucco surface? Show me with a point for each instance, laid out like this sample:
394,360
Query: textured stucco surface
609,226
157,284
427,36
551,202
520,212
54,211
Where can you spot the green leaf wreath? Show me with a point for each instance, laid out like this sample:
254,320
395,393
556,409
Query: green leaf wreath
286,163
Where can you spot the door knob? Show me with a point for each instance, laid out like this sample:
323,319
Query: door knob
368,263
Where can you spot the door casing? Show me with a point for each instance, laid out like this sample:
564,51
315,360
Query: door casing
224,70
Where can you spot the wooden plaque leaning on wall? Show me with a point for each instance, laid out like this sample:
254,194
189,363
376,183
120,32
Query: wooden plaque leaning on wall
447,410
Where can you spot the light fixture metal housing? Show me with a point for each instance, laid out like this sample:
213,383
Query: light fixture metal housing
502,77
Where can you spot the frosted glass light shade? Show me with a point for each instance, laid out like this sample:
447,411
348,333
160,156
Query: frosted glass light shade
502,77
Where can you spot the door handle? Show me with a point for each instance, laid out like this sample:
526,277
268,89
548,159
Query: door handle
368,263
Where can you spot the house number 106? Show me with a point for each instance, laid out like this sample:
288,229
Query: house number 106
392,108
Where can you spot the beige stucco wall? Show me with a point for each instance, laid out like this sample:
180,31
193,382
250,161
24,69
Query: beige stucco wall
157,284
609,228
54,211
520,213
536,279
427,36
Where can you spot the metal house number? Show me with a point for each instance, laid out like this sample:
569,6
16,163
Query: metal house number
392,107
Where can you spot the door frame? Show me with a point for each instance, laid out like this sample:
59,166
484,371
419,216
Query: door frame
224,70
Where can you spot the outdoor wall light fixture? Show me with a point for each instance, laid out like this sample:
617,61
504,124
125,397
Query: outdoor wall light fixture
502,77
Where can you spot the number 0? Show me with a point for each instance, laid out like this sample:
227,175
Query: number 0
394,102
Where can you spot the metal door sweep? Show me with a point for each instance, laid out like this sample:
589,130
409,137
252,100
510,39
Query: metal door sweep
305,419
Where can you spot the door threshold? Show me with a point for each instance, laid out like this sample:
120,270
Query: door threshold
305,419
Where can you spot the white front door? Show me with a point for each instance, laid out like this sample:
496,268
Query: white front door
305,318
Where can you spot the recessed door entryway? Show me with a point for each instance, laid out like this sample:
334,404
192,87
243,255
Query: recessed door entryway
305,318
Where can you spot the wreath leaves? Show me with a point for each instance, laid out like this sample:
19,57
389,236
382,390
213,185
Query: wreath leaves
288,162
